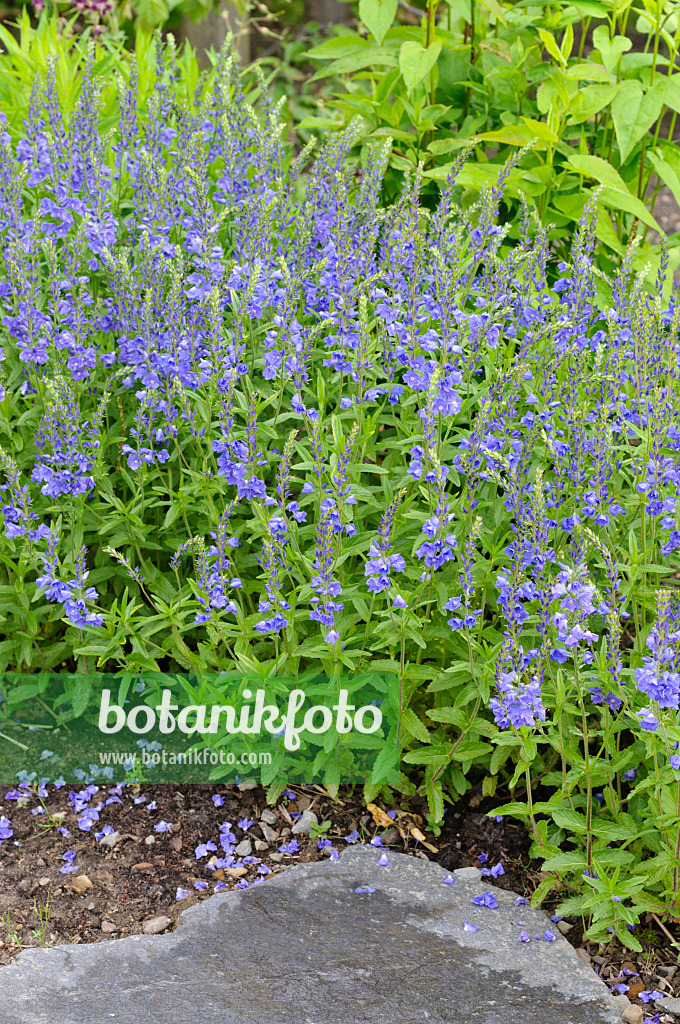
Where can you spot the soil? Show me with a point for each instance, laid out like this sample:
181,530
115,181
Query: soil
132,877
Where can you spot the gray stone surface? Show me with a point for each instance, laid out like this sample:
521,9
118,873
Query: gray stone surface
304,948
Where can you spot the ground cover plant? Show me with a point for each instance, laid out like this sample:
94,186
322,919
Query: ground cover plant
252,419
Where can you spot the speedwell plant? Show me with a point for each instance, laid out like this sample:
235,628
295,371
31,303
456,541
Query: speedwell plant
253,421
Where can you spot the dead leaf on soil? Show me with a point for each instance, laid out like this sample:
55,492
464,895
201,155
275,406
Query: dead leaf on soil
417,834
379,816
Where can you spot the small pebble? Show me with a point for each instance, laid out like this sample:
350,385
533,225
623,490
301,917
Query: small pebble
156,925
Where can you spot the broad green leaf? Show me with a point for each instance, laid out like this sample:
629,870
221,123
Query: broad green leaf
634,112
541,130
610,49
379,55
495,8
590,101
340,46
672,94
571,820
151,13
589,72
573,861
666,163
511,135
377,16
630,204
616,193
416,61
600,170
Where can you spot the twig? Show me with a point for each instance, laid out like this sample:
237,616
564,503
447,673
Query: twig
662,926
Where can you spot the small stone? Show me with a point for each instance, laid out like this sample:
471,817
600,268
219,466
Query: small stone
564,927
584,955
156,925
111,840
421,855
236,872
244,787
150,840
244,848
672,1004
269,816
303,826
44,881
327,851
108,927
667,972
276,857
261,846
81,883
90,906
270,835
470,874
144,865
176,843
633,1014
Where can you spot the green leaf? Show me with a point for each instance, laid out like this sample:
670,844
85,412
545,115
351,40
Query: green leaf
550,43
589,72
378,55
590,101
600,170
574,861
415,61
414,726
667,165
435,755
610,49
470,749
672,94
634,112
495,8
571,820
151,13
340,46
377,16
616,193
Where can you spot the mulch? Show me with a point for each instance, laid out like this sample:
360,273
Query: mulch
132,875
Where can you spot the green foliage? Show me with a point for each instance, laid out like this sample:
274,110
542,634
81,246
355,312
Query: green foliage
600,111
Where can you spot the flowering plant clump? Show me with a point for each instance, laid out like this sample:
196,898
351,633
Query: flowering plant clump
252,420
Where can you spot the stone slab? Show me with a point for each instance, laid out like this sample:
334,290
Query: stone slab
304,948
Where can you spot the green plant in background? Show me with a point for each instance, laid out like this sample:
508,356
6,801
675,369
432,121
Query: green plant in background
118,19
600,110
